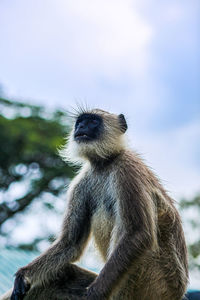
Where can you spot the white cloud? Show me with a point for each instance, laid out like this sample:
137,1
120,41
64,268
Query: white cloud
86,39
102,31
117,34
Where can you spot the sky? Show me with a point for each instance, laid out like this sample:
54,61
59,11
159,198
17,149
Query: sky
138,57
134,57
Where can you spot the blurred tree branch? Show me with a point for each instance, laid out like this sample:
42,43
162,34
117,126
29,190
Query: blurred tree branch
29,139
193,248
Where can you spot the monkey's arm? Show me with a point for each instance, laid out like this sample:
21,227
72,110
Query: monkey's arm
139,235
67,248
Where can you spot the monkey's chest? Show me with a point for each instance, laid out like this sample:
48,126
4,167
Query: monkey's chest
103,224
104,203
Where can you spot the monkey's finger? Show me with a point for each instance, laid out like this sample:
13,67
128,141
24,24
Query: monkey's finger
21,288
17,295
14,296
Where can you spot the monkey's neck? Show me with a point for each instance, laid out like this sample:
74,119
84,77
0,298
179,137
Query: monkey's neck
101,163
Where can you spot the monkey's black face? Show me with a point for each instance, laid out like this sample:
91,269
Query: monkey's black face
88,127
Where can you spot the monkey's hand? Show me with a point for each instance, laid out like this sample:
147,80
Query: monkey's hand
21,286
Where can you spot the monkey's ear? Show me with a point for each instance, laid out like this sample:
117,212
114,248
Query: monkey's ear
122,122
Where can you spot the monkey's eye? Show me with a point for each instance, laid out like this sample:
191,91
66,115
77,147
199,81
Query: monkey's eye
94,122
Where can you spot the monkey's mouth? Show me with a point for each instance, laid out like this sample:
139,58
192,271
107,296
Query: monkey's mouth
82,137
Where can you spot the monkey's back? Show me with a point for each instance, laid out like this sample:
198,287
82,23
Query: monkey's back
163,269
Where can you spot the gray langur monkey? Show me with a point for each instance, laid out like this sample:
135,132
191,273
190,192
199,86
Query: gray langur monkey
135,224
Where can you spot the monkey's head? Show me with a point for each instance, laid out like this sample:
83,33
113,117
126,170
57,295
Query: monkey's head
96,134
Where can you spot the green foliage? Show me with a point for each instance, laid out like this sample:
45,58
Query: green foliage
195,202
29,142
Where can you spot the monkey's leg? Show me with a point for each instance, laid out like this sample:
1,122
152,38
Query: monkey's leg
147,281
70,284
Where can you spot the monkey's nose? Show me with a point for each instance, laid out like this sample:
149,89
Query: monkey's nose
82,125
